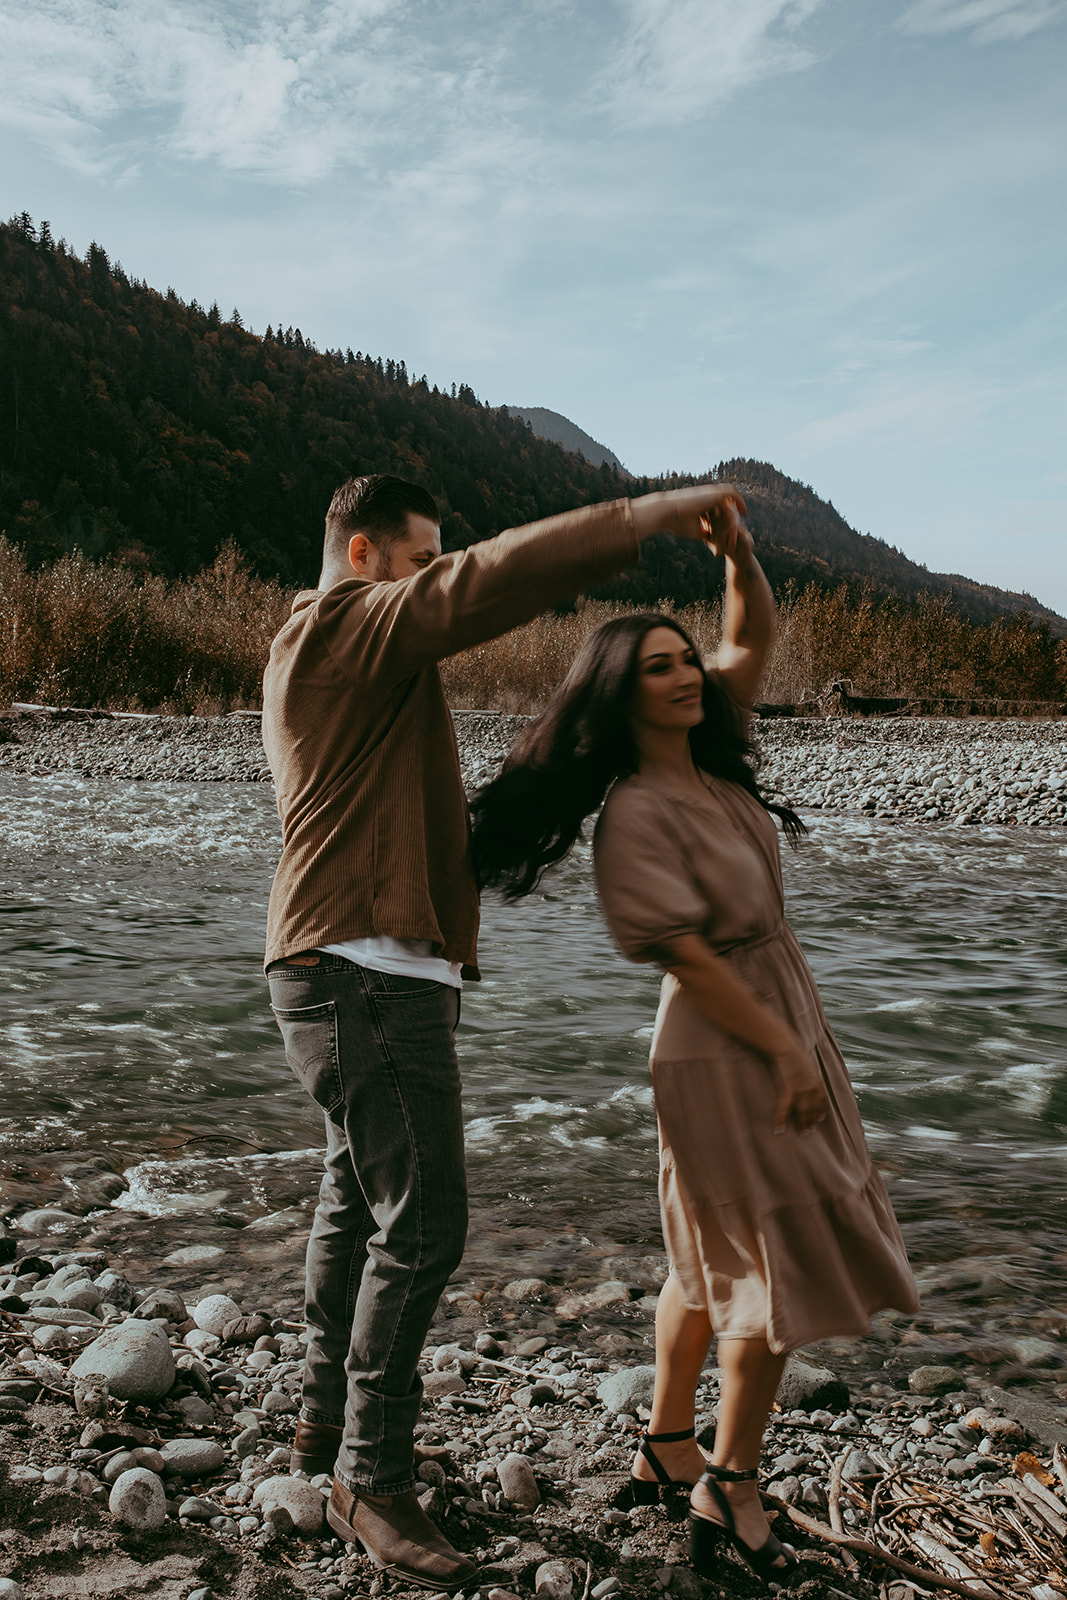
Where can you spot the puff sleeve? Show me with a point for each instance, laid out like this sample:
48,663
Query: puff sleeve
647,889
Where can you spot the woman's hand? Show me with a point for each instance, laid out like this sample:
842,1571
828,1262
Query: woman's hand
801,1095
705,512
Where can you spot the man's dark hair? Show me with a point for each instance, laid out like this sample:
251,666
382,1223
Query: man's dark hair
377,506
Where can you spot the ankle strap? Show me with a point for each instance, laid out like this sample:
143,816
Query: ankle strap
725,1475
670,1438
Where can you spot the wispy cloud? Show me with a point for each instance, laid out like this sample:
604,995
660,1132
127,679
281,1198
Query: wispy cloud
991,20
280,89
680,58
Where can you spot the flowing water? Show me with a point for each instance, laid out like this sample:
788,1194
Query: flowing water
134,1022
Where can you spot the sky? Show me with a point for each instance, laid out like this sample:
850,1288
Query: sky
828,234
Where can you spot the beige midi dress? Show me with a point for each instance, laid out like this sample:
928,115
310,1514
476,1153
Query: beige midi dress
785,1236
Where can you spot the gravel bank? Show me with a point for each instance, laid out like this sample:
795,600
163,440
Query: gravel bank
970,770
171,1478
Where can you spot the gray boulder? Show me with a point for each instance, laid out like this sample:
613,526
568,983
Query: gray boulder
138,1499
134,1357
625,1390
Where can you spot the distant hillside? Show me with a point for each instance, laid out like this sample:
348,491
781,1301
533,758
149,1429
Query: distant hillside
550,425
142,430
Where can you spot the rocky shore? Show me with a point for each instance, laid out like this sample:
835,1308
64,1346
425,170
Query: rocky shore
963,770
145,1432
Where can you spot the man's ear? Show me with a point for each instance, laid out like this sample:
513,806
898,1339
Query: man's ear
359,548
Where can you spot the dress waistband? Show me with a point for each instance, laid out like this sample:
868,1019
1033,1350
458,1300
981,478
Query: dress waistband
750,944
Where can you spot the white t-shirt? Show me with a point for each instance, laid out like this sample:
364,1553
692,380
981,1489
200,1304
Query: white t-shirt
407,958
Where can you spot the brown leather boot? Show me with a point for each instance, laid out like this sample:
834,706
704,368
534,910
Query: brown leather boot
397,1535
315,1447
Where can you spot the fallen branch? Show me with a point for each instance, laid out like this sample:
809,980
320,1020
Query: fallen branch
861,1547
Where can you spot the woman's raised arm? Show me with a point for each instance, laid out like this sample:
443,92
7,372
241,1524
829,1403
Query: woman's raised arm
748,619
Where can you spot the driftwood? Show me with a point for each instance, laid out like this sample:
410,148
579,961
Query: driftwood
863,1547
1005,1543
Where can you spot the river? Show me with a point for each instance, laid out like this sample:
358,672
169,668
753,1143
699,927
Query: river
134,1022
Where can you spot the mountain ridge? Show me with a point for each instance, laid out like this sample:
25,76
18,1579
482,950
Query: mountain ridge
150,432
561,430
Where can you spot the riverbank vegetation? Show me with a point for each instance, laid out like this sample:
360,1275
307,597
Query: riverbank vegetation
83,633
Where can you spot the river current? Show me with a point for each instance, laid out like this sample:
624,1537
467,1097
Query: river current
134,1018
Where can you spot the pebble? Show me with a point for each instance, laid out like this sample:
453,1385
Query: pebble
192,1458
526,1290
974,769
554,1580
215,1312
196,1412
804,1387
518,1483
164,1303
10,1590
138,1499
305,1506
47,1219
197,1509
934,1380
623,1391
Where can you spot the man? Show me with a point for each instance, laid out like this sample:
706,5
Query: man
372,925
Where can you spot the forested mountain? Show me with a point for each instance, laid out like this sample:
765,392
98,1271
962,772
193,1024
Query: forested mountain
145,430
561,430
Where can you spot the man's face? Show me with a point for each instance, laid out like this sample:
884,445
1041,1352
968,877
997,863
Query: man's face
420,545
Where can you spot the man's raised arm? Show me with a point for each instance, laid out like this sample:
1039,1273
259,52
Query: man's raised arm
469,596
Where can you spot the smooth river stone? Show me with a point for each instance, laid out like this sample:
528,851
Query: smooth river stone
192,1254
214,1313
135,1358
192,1458
623,1391
47,1219
138,1499
304,1504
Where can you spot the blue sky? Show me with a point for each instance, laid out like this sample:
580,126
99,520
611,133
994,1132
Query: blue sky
828,234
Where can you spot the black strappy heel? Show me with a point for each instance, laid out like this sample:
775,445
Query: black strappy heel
771,1562
641,1492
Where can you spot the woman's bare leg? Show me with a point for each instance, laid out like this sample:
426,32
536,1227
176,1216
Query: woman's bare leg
750,1376
683,1337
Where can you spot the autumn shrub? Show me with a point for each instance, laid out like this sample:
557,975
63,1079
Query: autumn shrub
79,633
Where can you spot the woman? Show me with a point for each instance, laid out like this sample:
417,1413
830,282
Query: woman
778,1229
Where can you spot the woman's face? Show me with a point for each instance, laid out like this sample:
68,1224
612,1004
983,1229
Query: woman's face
670,683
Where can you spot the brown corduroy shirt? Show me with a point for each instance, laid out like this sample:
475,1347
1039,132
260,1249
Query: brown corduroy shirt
361,743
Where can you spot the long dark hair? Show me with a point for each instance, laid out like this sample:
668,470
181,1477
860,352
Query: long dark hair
561,767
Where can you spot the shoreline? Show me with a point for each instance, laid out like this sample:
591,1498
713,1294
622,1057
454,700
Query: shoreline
528,1427
967,771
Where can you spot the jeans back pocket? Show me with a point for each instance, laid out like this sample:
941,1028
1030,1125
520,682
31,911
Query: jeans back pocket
310,1035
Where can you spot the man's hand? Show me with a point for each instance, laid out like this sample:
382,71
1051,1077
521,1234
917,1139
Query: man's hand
710,512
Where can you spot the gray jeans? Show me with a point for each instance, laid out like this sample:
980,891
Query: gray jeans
377,1053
